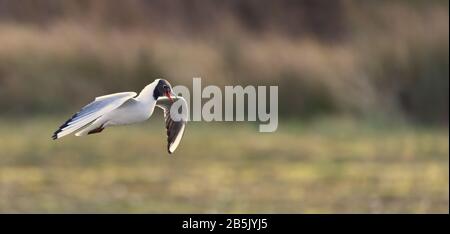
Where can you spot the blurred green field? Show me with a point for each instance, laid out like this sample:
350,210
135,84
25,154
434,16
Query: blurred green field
326,166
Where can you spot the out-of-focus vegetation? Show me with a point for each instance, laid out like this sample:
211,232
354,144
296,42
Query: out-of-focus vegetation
372,57
326,166
377,71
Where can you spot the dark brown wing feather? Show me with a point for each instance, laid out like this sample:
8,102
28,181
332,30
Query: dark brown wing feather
175,129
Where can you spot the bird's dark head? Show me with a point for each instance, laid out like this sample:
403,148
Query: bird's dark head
163,88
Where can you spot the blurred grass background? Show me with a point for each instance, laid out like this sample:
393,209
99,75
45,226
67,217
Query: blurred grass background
369,81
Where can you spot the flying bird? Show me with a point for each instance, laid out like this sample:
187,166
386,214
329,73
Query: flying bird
128,108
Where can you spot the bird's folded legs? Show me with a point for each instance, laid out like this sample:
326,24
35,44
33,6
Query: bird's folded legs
97,130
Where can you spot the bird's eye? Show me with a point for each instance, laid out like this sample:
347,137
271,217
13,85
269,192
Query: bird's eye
165,87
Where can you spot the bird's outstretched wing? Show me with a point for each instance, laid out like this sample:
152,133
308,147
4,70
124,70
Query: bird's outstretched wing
100,106
176,115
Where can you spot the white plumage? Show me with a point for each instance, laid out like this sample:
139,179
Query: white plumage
128,108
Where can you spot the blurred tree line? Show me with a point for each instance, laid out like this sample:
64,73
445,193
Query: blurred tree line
323,18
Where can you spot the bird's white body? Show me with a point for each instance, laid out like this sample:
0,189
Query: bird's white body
130,112
122,109
134,110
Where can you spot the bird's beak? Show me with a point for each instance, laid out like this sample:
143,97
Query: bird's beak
168,96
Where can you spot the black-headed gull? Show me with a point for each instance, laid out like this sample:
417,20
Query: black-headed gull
128,108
